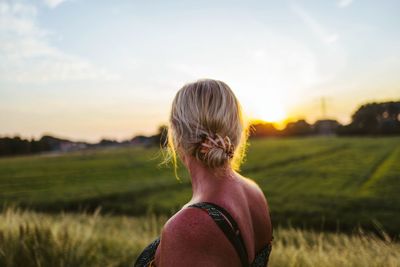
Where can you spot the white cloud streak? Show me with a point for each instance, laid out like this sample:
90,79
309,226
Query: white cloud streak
53,3
26,55
344,3
315,26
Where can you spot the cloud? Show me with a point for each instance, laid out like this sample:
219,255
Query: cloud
344,3
315,26
26,54
53,3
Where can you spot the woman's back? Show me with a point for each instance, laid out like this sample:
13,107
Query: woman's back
243,200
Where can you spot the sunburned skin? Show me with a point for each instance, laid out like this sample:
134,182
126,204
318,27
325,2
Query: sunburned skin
191,237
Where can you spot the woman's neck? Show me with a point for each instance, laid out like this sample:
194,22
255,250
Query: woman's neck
208,182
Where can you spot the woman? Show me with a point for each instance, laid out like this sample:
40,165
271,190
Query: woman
227,222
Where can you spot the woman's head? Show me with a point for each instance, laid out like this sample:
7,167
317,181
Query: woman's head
206,122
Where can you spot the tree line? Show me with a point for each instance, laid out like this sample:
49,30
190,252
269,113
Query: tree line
376,119
373,119
10,146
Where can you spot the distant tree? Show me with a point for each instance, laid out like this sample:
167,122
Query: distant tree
10,146
161,137
50,143
263,129
300,127
108,142
14,146
374,119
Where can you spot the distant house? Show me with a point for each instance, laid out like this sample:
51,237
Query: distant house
142,140
71,146
52,143
325,127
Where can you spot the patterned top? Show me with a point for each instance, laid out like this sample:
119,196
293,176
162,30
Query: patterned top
231,230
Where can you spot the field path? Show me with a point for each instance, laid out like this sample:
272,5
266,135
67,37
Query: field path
379,170
295,159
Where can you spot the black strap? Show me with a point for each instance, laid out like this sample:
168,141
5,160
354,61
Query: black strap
147,254
217,213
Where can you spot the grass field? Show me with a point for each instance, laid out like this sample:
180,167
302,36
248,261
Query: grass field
32,239
324,183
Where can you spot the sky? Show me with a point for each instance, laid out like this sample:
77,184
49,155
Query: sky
92,69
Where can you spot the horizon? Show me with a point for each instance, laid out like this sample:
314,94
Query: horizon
278,125
88,70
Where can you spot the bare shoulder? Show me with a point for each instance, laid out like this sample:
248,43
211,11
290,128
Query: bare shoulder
189,224
259,208
254,189
192,238
256,195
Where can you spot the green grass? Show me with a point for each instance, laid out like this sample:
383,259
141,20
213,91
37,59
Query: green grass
32,239
324,183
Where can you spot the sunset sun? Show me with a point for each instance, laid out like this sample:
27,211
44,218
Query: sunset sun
269,107
271,112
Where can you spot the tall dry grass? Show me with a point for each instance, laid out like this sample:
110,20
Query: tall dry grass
33,239
294,247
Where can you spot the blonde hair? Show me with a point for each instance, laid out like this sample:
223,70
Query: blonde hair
207,122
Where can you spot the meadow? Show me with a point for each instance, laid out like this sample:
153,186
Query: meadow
320,183
32,239
334,202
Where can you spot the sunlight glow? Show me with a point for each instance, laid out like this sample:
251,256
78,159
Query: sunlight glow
271,112
268,106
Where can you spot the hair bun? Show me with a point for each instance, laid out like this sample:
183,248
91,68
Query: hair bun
199,111
215,151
